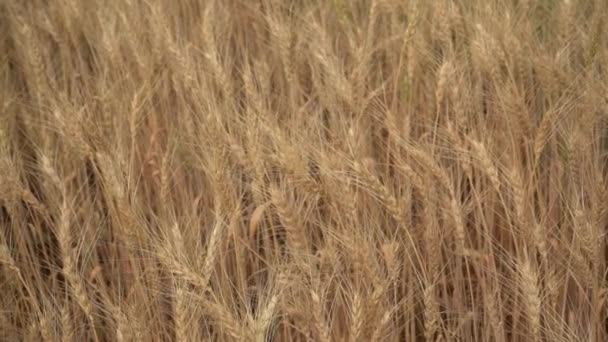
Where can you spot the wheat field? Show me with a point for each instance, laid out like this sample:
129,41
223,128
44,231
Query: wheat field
303,170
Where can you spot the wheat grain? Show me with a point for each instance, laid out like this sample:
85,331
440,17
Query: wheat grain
356,317
296,235
181,320
74,279
265,319
323,332
431,313
532,300
485,162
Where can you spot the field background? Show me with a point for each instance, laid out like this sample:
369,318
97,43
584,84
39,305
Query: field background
368,170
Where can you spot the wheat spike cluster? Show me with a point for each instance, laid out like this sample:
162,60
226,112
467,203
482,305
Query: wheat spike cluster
304,170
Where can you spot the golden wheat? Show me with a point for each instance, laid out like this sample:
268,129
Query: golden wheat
365,170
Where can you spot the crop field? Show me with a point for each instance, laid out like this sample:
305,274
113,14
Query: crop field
304,170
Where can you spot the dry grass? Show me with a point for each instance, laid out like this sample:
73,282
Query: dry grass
369,170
